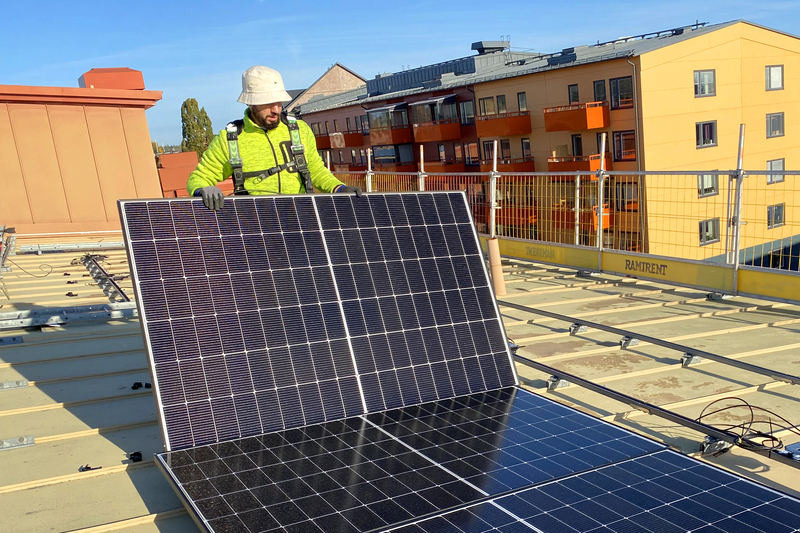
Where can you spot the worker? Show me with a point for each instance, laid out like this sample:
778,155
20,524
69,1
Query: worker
268,152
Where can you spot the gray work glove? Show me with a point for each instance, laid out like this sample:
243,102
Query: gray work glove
212,197
349,189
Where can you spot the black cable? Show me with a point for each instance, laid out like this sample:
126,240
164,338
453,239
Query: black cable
751,438
41,267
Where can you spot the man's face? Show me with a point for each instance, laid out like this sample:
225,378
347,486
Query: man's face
268,116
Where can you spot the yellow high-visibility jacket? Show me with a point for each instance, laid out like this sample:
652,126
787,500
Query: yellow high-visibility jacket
260,150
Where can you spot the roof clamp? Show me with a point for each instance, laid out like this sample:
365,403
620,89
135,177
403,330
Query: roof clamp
625,342
18,442
16,384
16,339
689,359
577,328
555,382
714,446
714,296
585,274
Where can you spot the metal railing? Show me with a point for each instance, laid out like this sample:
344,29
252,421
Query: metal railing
732,219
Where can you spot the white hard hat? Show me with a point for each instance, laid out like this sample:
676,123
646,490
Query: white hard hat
262,85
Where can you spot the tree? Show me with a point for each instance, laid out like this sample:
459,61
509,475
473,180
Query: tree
196,126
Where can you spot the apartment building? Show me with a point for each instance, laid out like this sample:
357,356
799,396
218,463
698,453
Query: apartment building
672,100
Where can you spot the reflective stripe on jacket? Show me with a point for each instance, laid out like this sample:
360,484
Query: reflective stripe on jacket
262,150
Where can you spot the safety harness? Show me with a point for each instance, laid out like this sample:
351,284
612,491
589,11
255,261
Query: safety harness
298,163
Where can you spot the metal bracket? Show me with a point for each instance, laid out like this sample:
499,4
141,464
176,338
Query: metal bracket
577,328
18,384
554,382
714,445
18,442
40,249
55,316
689,359
625,342
4,341
105,281
585,274
715,296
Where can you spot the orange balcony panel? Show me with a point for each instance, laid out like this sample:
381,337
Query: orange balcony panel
323,141
349,167
446,167
346,139
564,218
393,135
576,117
395,167
503,125
577,163
523,164
441,130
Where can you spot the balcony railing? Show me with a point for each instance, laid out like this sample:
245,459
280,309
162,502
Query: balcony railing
437,130
346,139
391,135
577,163
399,166
448,166
521,164
576,117
503,124
323,141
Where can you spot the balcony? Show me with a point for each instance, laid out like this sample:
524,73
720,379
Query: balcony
346,139
564,218
577,163
523,164
402,166
438,130
446,167
393,135
576,117
323,141
349,167
503,125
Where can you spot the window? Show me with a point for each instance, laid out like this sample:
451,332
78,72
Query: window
627,198
526,147
348,123
505,149
327,130
704,83
706,133
522,101
353,156
707,185
775,215
458,151
363,156
442,156
467,110
709,231
335,125
315,128
600,142
471,152
621,92
572,91
774,125
600,91
776,165
364,124
341,156
774,75
577,144
486,106
501,103
488,150
625,145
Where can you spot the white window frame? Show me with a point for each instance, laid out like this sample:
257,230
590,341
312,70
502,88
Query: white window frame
768,76
772,165
707,185
700,143
709,231
770,131
776,215
699,83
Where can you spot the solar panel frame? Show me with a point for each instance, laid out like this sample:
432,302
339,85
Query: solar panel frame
193,270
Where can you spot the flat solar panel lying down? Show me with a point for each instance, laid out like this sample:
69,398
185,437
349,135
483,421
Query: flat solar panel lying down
331,363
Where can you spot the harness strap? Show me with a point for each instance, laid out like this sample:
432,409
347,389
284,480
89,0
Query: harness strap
233,129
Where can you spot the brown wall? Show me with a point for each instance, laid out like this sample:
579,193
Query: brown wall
68,154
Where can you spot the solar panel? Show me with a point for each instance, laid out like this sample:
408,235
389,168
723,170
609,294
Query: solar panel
331,363
280,312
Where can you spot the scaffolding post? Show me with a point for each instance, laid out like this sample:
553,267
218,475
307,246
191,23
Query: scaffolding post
736,220
495,263
601,212
368,176
421,174
577,209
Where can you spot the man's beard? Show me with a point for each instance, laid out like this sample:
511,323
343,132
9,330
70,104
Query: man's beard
272,125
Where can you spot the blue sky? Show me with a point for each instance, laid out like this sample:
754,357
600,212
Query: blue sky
198,49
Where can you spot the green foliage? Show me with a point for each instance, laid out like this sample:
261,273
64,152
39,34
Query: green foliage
196,127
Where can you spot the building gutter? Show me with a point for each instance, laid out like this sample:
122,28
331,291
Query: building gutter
636,118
